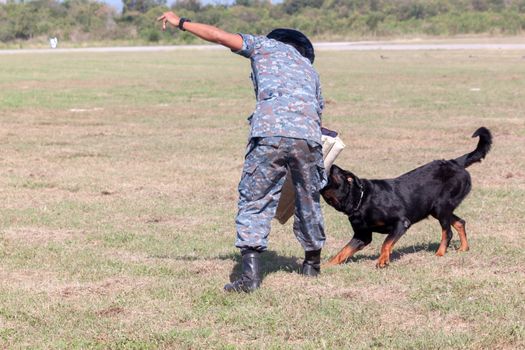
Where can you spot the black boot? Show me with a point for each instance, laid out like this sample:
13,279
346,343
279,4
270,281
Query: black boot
250,279
312,263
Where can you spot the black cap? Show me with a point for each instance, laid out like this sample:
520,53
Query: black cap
296,39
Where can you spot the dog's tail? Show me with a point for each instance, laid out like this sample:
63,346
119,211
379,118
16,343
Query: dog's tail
484,144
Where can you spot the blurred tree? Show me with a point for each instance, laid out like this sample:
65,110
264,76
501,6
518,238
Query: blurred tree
84,20
252,3
190,5
521,6
295,6
141,6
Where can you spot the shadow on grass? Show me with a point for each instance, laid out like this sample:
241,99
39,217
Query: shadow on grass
397,253
270,262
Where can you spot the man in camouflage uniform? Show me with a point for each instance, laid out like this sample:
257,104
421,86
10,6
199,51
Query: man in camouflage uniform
285,136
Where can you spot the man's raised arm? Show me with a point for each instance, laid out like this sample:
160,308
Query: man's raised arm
203,31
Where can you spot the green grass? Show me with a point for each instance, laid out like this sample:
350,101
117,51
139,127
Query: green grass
118,176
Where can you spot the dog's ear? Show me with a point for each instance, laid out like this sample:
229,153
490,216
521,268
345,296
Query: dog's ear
339,176
334,172
334,169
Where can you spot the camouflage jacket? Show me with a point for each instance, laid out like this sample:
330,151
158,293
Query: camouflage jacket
287,89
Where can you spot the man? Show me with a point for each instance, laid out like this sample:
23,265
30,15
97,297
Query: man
285,136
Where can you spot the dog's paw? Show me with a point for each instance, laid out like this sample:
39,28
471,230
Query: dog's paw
330,263
441,250
381,264
463,249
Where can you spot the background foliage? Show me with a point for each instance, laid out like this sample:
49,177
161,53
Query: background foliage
87,20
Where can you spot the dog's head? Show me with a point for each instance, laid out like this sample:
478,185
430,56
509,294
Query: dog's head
341,189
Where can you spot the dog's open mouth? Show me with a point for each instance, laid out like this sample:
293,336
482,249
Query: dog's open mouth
331,199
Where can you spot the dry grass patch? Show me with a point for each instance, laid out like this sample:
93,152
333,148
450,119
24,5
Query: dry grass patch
35,235
29,280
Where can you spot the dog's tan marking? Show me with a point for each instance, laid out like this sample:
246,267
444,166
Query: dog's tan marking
386,250
346,253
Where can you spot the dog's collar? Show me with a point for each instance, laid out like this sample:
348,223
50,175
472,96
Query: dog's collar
362,189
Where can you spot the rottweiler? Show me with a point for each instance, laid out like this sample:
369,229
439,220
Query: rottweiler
391,206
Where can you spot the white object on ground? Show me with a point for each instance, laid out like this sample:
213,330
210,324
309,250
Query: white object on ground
53,42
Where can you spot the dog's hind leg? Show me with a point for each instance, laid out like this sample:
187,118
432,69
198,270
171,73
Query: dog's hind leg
446,235
459,224
358,242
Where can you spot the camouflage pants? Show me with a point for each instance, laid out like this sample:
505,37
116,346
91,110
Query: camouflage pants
264,172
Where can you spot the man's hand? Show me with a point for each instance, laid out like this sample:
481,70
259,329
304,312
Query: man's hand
204,31
169,17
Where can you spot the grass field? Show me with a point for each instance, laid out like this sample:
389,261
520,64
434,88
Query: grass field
118,188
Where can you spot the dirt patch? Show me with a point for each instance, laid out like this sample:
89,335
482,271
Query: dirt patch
108,286
49,282
110,311
181,222
209,267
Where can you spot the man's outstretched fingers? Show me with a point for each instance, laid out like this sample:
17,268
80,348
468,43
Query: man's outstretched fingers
164,20
168,17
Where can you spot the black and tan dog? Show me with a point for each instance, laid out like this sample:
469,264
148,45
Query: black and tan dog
392,206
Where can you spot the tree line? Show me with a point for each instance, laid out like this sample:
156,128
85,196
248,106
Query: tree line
89,20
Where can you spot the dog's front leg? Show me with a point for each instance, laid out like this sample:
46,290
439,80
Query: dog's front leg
386,249
388,245
358,242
